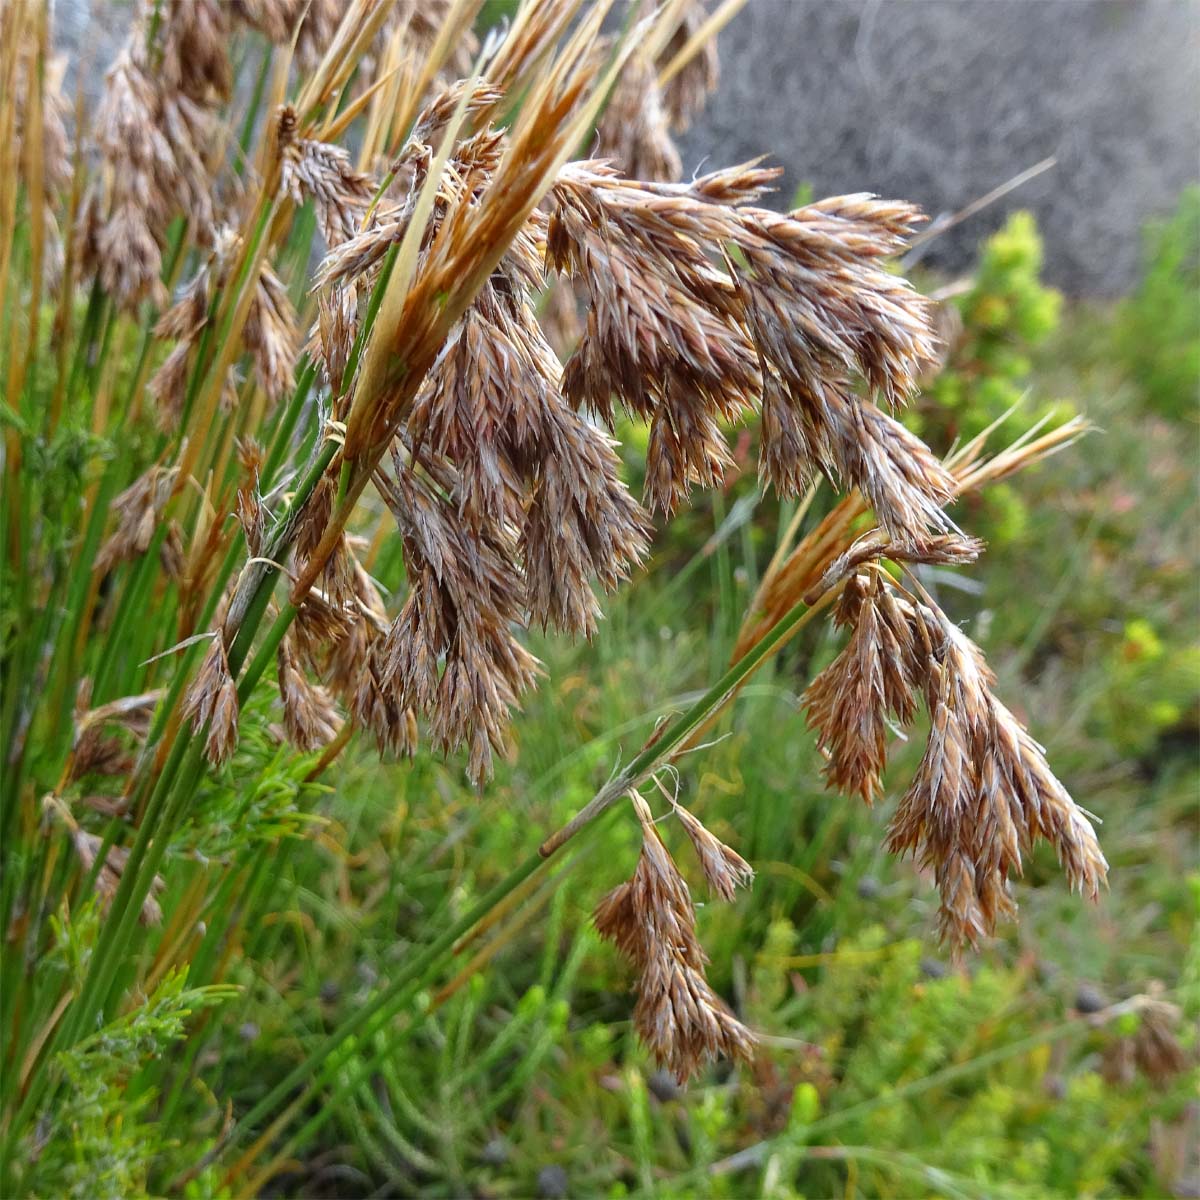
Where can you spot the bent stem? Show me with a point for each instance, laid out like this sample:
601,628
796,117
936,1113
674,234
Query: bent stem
406,986
679,736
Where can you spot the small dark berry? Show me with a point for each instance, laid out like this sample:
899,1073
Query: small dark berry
552,1183
495,1153
663,1086
1090,999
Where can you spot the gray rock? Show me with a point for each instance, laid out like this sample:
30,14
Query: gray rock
941,101
936,102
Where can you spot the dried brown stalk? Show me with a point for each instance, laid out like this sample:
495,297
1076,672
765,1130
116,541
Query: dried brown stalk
107,874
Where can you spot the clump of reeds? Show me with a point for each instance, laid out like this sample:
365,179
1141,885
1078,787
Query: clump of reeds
428,377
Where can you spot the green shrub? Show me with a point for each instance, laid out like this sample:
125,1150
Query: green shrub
992,329
1158,328
1005,313
1153,688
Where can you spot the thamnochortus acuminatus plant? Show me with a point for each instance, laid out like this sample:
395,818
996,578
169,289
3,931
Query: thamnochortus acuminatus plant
417,366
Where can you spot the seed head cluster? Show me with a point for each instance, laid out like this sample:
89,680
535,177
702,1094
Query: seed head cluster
156,129
159,132
652,921
270,335
704,308
983,794
636,131
698,309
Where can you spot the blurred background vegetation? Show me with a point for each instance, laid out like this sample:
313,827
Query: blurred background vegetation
1036,1067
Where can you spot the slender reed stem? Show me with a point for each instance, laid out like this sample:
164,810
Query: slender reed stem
404,987
660,748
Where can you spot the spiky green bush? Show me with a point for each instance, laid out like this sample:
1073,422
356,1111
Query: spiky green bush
1005,313
1158,328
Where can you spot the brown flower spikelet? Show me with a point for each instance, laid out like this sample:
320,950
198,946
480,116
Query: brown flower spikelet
684,95
849,702
635,129
108,877
155,128
310,718
524,457
271,335
138,509
983,793
322,172
450,653
650,919
212,701
724,869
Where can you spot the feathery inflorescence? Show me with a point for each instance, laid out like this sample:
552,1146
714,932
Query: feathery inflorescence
156,129
700,308
212,703
983,794
270,334
104,863
159,131
703,307
652,922
642,115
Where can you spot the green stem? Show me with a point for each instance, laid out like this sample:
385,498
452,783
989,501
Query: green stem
91,318
660,750
173,788
408,984
135,598
287,424
266,651
260,83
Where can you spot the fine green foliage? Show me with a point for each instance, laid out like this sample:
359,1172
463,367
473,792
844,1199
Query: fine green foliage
105,1137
